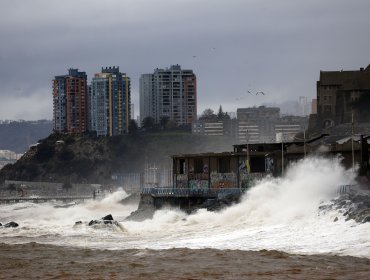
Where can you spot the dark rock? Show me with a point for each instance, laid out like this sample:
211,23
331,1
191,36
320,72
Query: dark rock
94,222
108,218
11,224
1,224
103,222
78,223
336,219
366,219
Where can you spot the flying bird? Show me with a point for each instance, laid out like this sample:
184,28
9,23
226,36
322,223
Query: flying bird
261,92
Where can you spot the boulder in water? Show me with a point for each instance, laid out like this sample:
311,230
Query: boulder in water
94,222
336,219
78,223
11,224
1,224
108,218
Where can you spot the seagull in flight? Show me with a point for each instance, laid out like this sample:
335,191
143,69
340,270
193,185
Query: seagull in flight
261,92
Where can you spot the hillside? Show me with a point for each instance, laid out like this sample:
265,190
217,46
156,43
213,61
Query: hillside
93,160
18,135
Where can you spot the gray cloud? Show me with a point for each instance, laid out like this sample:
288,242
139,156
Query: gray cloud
275,46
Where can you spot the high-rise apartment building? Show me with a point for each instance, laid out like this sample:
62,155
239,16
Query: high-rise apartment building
70,102
170,92
110,101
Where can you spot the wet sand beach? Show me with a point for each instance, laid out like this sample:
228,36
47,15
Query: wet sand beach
37,261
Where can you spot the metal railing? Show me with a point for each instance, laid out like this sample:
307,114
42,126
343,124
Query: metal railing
15,199
186,192
346,188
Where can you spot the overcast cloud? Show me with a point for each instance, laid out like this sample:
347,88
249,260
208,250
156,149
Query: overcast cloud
277,46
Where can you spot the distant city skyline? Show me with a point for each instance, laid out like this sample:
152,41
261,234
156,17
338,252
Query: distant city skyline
232,46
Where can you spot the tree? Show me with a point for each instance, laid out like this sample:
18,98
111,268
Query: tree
208,114
221,115
171,125
132,127
148,123
164,121
66,154
45,151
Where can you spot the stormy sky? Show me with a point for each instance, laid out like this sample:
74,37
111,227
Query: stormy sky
233,46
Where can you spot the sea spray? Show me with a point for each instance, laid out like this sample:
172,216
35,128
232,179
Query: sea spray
295,196
276,214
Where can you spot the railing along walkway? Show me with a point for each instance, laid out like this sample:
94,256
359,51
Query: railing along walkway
15,199
185,192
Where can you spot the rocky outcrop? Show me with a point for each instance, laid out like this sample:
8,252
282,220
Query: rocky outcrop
11,225
106,220
354,205
145,209
148,206
220,202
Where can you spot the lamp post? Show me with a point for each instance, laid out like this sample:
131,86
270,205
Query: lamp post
282,153
352,144
304,142
247,138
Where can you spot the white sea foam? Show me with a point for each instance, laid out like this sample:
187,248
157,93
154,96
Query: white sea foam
277,213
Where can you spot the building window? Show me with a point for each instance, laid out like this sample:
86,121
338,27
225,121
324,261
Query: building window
327,108
182,165
198,165
223,165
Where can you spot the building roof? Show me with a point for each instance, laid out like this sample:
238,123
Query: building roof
357,79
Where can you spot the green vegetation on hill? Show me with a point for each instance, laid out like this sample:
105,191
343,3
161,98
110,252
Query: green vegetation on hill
95,159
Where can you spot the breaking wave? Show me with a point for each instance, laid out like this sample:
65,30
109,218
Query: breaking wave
276,214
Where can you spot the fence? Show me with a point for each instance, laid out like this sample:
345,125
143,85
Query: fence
186,192
346,188
151,177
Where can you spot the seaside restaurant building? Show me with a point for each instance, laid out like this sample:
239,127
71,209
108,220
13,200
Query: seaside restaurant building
227,170
238,170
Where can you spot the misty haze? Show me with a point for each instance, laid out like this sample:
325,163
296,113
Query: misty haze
184,139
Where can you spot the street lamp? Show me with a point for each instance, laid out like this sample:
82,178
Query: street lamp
352,144
282,153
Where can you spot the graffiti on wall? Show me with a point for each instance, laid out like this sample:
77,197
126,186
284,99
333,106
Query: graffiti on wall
223,180
182,181
249,180
269,164
198,184
244,167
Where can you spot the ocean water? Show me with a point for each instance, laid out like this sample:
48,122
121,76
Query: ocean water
278,214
